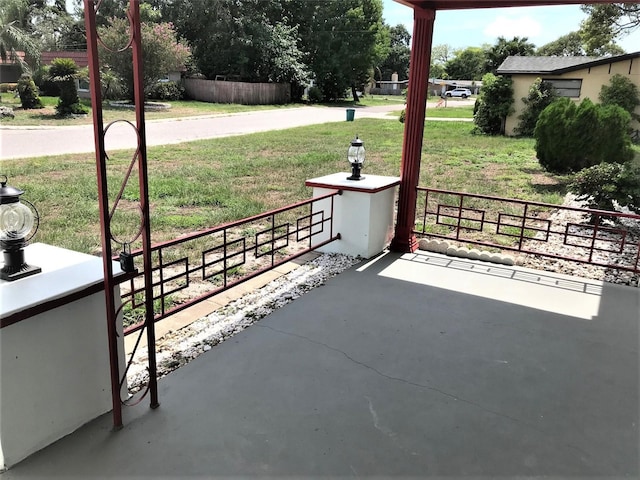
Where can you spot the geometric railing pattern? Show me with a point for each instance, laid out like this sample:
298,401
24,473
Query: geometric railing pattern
192,268
602,238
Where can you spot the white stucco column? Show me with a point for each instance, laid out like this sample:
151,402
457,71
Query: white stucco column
54,352
363,215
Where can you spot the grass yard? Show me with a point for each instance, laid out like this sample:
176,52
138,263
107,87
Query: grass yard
203,184
451,111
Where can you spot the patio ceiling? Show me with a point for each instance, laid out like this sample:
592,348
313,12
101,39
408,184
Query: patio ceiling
467,4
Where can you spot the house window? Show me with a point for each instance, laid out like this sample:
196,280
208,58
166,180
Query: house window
566,87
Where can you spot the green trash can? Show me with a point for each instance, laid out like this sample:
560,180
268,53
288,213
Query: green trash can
351,113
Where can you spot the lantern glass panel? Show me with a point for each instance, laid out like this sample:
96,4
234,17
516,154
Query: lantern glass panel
16,221
356,154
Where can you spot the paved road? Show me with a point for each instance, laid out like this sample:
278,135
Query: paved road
25,142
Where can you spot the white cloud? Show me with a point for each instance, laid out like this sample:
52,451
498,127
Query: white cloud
510,27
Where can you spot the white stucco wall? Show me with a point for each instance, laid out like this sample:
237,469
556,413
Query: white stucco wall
54,366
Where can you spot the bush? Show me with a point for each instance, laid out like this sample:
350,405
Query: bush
403,115
315,95
541,95
163,52
43,80
570,138
28,92
494,105
8,87
621,92
111,85
605,185
166,91
64,72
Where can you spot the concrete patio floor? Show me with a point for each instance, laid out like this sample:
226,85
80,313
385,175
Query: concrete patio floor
410,365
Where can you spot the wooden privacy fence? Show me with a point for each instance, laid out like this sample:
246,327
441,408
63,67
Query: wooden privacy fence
216,91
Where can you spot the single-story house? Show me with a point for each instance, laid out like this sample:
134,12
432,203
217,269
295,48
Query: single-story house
574,77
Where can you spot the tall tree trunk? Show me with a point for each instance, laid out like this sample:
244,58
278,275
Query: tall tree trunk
354,93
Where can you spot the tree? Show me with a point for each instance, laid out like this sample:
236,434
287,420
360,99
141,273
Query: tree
252,40
345,41
162,52
48,21
569,45
574,45
14,34
541,94
338,41
494,104
495,55
440,55
397,60
608,22
622,92
467,64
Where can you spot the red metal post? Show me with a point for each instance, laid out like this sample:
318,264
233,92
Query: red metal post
404,239
105,221
138,85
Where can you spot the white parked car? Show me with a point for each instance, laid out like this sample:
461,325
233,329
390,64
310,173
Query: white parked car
458,92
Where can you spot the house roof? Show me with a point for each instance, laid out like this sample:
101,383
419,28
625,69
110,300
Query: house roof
556,65
79,56
467,4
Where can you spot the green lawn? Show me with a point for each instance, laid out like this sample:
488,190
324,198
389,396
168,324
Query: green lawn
450,112
202,184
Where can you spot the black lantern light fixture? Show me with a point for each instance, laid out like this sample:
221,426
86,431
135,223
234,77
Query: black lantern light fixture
355,155
18,224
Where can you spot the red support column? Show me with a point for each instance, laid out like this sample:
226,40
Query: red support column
103,198
138,85
404,239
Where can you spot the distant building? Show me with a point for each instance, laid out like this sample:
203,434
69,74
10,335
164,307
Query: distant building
10,69
438,86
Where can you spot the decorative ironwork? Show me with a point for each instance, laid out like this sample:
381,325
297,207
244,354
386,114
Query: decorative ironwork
108,209
195,267
521,226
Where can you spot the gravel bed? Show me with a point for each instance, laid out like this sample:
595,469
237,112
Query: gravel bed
555,246
180,347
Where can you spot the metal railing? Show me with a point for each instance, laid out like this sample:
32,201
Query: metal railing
602,238
195,267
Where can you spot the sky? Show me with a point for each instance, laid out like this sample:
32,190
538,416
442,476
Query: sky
472,28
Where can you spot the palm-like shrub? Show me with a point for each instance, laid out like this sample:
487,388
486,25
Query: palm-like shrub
64,72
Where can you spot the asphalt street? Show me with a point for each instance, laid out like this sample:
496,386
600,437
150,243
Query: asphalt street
26,142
